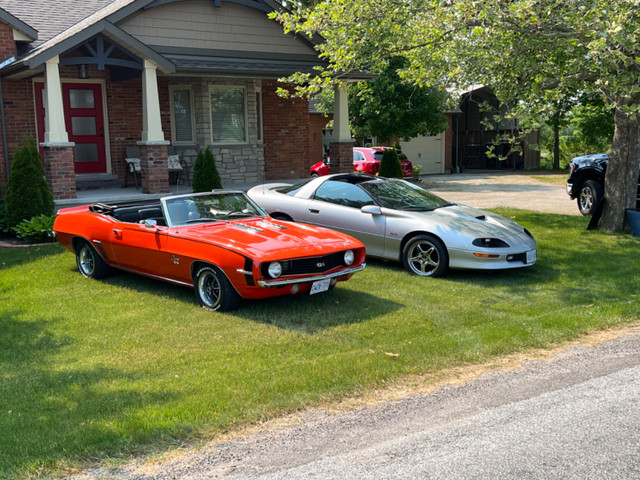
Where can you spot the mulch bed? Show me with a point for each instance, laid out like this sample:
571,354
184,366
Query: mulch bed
11,241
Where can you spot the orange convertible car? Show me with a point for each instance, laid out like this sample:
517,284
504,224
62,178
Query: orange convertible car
220,243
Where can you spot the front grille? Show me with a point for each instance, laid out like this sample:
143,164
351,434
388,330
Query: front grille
306,266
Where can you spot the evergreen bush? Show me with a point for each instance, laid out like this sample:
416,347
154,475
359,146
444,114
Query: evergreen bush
390,166
28,194
4,226
205,172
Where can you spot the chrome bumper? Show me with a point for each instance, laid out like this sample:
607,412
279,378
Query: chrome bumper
570,189
314,278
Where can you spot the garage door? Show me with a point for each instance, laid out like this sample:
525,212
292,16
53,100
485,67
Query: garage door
427,151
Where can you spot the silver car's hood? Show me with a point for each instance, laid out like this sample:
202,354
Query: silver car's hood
464,224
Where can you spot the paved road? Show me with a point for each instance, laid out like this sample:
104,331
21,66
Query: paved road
573,415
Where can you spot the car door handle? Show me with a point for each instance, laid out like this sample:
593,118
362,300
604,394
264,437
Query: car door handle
313,210
117,233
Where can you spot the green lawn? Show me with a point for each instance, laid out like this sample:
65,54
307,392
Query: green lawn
96,370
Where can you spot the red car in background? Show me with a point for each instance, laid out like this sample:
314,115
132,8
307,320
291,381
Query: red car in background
365,160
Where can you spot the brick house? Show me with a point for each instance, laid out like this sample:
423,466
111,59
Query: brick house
89,78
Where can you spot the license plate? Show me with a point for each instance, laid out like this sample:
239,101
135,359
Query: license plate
320,286
531,256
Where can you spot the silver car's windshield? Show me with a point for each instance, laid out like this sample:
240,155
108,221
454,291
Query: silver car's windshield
401,195
210,207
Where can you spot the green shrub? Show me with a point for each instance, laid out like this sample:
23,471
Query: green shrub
390,164
28,194
205,172
38,229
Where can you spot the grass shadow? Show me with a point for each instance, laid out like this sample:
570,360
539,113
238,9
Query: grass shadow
49,410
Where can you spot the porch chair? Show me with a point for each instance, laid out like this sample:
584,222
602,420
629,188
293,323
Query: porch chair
133,165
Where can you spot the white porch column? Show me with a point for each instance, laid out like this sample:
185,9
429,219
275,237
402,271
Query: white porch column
341,131
54,128
151,121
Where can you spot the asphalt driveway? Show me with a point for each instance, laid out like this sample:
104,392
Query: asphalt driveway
502,189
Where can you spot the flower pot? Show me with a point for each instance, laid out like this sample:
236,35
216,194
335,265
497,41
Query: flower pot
633,215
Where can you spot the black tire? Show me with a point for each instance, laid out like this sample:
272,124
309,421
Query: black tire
89,262
314,175
214,291
426,256
591,194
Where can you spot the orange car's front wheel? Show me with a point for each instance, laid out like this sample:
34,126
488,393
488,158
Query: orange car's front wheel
214,291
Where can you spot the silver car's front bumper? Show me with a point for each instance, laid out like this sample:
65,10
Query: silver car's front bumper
314,278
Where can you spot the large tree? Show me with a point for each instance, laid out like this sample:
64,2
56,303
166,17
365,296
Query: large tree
389,107
531,52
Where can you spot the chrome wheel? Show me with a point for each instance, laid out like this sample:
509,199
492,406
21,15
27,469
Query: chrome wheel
90,264
591,195
426,256
86,262
213,290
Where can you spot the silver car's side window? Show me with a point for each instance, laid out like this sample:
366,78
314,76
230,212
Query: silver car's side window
343,193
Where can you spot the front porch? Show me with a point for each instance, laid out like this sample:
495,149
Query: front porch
122,194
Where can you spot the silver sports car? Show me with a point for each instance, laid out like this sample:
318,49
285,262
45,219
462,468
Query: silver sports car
400,221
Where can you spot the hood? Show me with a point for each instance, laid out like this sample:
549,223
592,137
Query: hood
270,239
461,224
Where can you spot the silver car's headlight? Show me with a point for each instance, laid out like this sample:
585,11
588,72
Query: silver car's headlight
349,257
490,243
275,269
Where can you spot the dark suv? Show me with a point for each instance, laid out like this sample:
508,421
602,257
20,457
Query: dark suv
586,181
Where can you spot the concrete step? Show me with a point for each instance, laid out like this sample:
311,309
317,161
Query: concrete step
97,181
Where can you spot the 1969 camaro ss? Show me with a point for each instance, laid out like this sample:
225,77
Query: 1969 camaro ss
220,243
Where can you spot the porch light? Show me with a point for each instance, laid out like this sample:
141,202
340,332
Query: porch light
83,71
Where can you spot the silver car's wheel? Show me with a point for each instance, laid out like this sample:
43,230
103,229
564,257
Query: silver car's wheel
426,256
213,291
590,196
89,262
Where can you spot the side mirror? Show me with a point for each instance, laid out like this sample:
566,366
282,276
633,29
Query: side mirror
150,223
371,210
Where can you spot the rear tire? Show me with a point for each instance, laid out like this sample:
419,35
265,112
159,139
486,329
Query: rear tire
89,262
591,194
214,291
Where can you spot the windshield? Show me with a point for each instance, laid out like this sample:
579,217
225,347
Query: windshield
210,207
401,195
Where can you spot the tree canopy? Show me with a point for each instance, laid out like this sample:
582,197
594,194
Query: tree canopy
389,107
530,52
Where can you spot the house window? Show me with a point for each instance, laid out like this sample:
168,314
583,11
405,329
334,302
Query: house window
228,115
182,115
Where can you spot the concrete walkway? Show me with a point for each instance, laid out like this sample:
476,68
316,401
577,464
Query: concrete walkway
487,189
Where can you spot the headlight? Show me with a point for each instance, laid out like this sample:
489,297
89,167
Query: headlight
490,243
275,269
349,257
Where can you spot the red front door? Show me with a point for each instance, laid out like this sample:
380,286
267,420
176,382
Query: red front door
84,121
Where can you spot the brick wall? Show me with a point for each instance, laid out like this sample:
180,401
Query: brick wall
316,126
7,43
19,117
286,135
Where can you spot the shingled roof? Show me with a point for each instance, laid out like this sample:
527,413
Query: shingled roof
51,17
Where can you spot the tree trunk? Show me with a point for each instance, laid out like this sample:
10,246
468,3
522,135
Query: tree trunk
621,179
556,143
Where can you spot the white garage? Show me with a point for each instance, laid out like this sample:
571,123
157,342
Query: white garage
427,151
